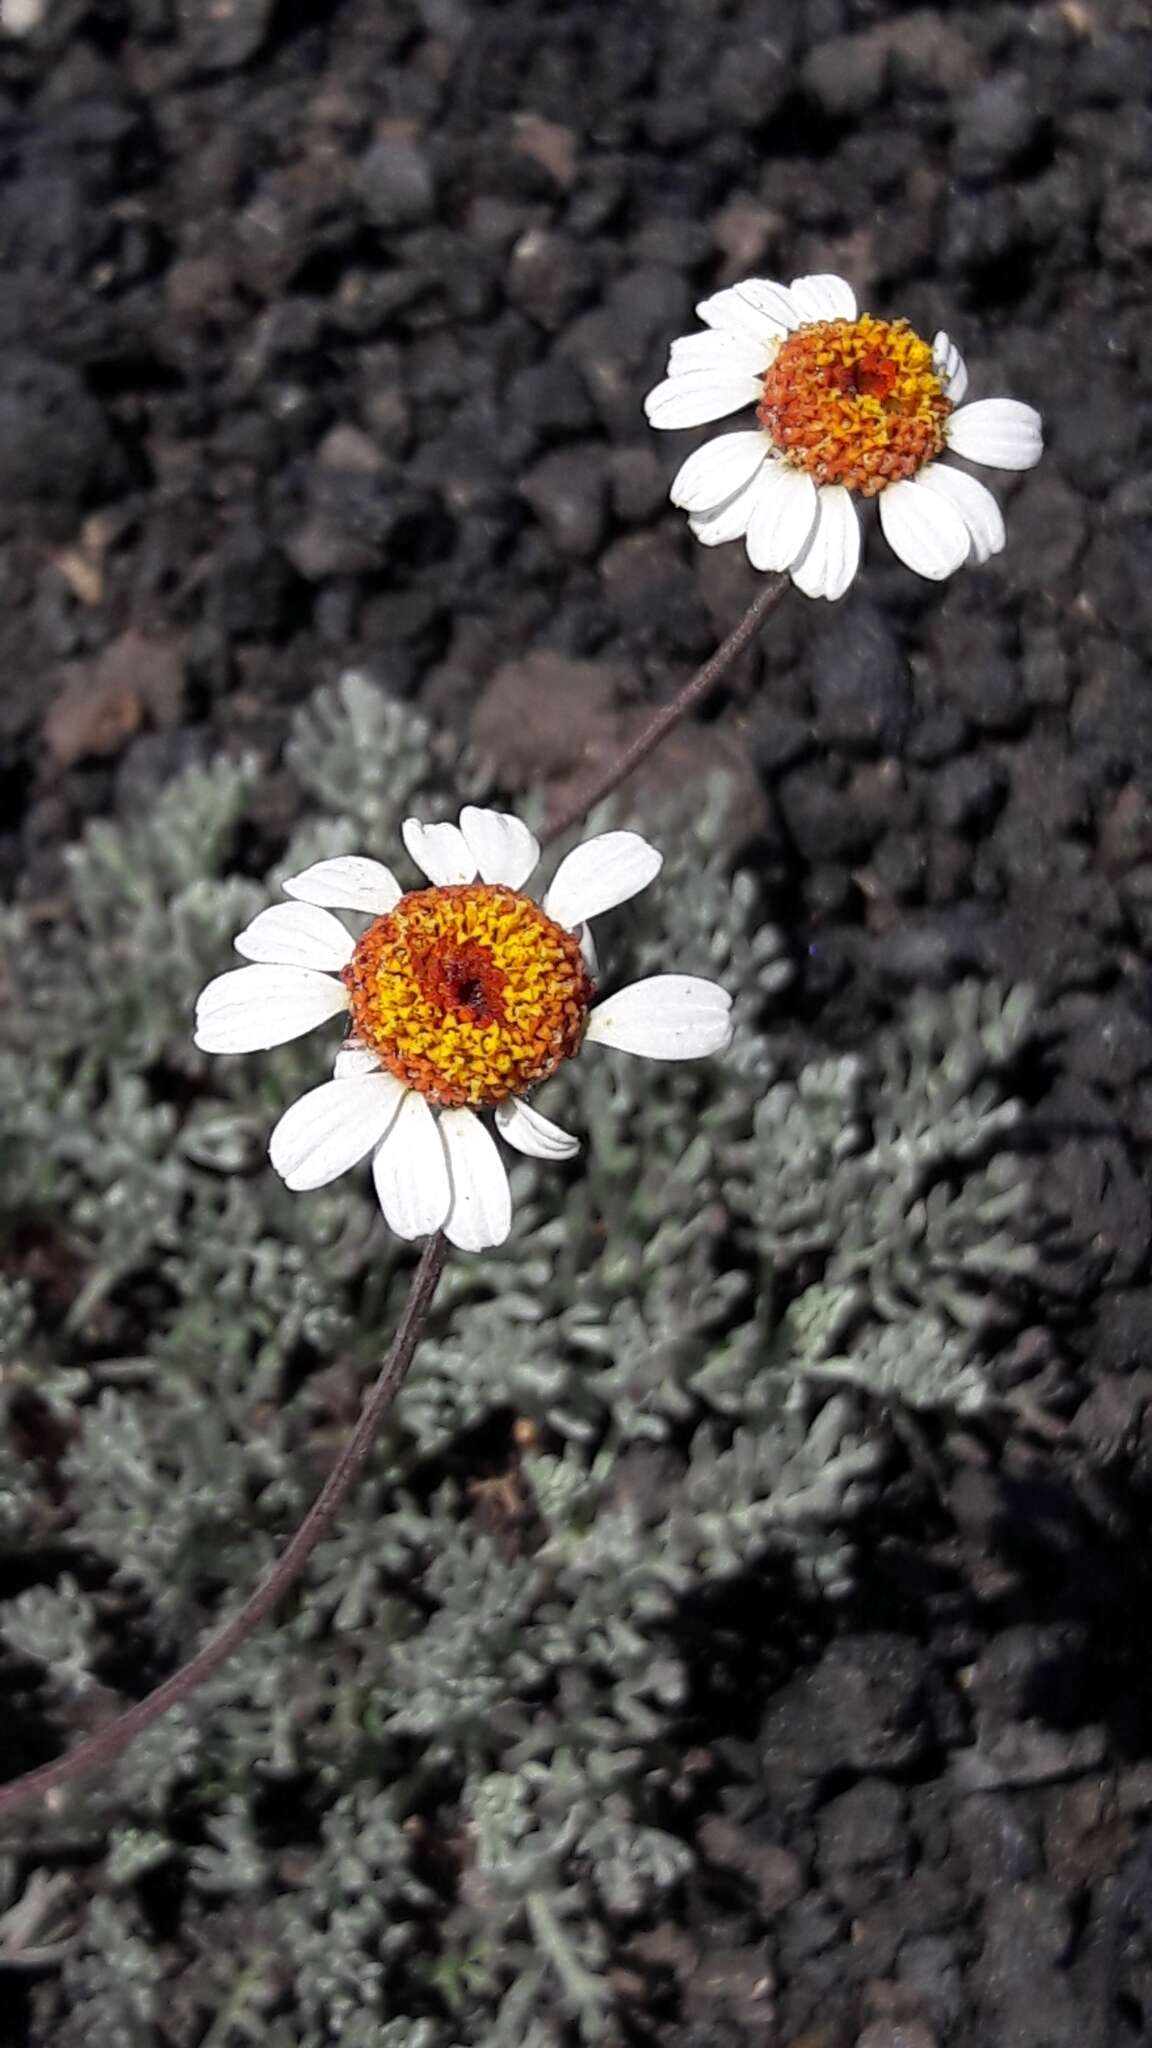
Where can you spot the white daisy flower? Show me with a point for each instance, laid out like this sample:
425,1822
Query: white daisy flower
459,997
846,405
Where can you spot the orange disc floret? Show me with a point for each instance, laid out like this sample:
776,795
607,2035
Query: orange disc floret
855,402
468,993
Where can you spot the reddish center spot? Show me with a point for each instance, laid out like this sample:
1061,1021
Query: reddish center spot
463,979
874,376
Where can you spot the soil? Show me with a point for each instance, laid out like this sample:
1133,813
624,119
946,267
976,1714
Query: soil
323,339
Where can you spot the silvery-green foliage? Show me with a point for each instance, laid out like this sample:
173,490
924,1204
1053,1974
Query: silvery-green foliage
891,1180
918,1360
359,1919
151,916
117,1973
34,1917
367,760
54,1626
425,1808
17,1322
133,1851
17,1327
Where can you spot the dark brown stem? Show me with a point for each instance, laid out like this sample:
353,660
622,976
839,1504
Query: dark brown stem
661,723
110,1741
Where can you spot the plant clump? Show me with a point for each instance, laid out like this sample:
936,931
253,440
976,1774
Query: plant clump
429,1805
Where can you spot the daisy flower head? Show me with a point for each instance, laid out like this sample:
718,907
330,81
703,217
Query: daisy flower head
847,406
458,998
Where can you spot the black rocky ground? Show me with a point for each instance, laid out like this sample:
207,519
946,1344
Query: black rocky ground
323,334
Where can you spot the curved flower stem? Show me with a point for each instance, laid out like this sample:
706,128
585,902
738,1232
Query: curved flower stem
111,1740
661,723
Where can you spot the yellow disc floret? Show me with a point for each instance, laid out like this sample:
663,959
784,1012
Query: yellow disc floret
855,402
468,994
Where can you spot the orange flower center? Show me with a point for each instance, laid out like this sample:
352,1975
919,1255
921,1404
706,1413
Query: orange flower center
468,994
855,402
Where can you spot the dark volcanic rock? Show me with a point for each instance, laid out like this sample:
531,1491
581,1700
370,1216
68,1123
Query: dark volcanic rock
396,183
550,276
848,74
567,491
56,451
225,35
864,1707
997,124
860,681
823,825
864,1826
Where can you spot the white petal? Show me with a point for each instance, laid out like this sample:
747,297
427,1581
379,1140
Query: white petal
349,882
697,396
297,935
355,1059
600,874
950,367
440,851
924,529
772,300
823,297
253,1008
531,1133
736,312
999,431
832,556
715,472
727,355
784,515
480,1214
410,1170
502,846
588,953
332,1128
730,521
975,504
758,306
668,1017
